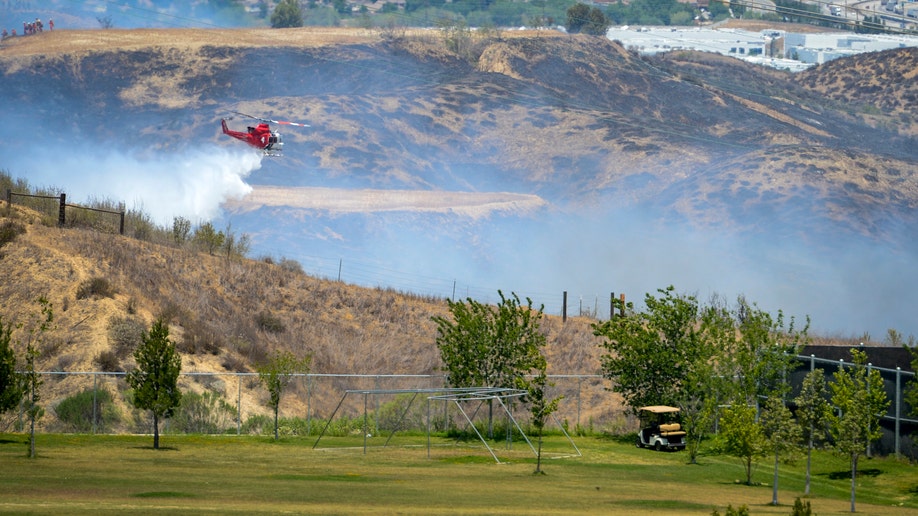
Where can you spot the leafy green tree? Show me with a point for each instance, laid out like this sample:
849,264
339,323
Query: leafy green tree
782,435
597,23
910,396
813,412
578,15
287,14
742,437
208,238
706,387
155,378
650,354
10,381
181,228
763,353
860,397
485,346
277,373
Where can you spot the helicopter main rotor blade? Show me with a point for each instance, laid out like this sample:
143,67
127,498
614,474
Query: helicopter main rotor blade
269,121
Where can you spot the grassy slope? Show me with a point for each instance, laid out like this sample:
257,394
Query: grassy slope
215,303
228,475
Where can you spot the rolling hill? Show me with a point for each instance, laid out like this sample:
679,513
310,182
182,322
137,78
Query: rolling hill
530,162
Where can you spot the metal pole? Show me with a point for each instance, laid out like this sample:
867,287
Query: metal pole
428,427
238,404
898,404
308,404
94,401
867,379
366,423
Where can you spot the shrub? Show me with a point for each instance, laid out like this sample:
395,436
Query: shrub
802,508
87,411
206,413
95,287
199,338
291,266
405,412
742,510
269,323
124,334
9,231
258,424
108,362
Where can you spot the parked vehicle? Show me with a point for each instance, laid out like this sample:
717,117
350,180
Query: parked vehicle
660,428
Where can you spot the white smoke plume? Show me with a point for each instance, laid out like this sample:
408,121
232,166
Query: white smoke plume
192,183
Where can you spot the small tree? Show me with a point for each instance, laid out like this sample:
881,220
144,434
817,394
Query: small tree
287,14
860,397
742,436
813,411
155,379
764,353
781,433
31,381
206,237
540,406
277,373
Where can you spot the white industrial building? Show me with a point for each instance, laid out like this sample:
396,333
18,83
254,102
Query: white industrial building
775,48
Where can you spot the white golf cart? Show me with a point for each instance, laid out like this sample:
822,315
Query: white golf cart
660,428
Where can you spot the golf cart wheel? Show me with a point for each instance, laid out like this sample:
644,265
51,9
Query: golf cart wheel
658,446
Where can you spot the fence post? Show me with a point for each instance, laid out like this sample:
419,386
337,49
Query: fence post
9,201
61,215
121,228
564,307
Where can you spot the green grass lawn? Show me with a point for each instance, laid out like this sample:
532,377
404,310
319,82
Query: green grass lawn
79,474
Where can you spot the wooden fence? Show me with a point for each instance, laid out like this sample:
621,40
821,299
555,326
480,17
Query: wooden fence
62,210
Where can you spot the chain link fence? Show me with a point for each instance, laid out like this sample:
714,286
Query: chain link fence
237,403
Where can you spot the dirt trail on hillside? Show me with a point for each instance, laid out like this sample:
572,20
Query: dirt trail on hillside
472,204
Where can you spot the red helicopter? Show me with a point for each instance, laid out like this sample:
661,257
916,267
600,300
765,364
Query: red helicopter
261,136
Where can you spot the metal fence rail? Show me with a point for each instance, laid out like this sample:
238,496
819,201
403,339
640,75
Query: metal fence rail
237,402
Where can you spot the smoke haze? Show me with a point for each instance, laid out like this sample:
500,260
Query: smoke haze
192,183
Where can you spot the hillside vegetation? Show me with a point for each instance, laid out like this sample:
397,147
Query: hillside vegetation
230,313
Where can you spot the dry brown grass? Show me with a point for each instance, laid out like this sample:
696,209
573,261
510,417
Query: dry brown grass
228,315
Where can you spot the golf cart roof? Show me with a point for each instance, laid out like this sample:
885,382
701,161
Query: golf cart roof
659,409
